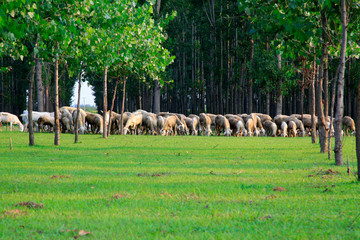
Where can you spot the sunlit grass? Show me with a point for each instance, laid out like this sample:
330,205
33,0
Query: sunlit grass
175,187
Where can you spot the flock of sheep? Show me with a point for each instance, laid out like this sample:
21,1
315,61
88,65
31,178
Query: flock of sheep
143,122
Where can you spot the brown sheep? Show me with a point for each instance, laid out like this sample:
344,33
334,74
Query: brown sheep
250,127
222,124
270,128
292,129
94,122
170,126
133,123
348,125
45,121
237,126
205,123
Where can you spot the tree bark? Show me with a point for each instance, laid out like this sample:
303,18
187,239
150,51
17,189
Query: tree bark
340,92
251,80
112,106
30,100
123,106
312,107
78,109
321,118
279,93
40,87
332,112
105,102
156,105
57,122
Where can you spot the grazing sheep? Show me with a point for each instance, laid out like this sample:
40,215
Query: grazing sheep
348,125
150,123
250,127
95,121
263,117
284,129
170,126
66,120
6,117
222,124
205,124
81,120
133,123
270,127
160,123
195,124
35,118
237,126
45,121
292,129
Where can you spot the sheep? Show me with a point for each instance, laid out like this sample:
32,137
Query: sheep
348,125
263,117
189,125
195,124
170,126
270,127
205,123
35,117
284,128
222,124
95,121
47,121
66,120
81,120
250,127
237,126
292,129
160,123
149,121
6,117
133,123
212,118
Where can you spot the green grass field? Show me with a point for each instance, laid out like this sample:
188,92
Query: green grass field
184,187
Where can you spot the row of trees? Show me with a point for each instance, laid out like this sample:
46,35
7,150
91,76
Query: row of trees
120,38
283,56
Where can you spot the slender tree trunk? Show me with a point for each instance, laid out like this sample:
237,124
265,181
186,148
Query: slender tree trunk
112,106
156,103
78,108
340,93
123,106
332,112
30,100
279,92
57,121
321,118
40,87
312,107
251,80
105,102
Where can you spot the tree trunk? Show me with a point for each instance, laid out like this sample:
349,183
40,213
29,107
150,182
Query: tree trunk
321,118
312,107
340,84
251,80
57,122
279,93
105,102
40,87
332,112
156,103
123,106
78,108
112,106
30,100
